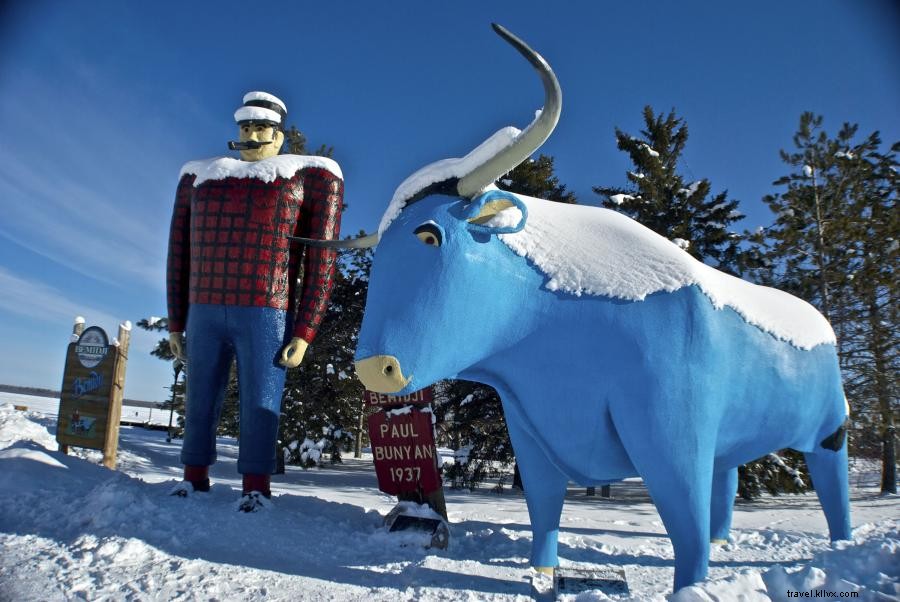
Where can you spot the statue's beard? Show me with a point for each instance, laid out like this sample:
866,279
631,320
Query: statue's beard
247,145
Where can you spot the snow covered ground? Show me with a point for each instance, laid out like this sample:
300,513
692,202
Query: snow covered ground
72,530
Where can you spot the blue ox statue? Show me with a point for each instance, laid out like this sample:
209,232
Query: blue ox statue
614,352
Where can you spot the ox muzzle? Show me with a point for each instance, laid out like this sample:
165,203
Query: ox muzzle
382,374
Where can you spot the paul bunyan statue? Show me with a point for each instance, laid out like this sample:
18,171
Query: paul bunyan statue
232,286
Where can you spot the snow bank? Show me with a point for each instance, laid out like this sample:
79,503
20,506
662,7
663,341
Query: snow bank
746,586
863,565
866,569
267,170
73,530
18,426
591,251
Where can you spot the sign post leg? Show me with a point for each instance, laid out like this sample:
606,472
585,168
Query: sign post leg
434,500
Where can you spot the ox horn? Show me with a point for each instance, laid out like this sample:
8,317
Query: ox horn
366,241
531,138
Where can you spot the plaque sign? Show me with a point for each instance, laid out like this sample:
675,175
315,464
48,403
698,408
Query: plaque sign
402,437
404,452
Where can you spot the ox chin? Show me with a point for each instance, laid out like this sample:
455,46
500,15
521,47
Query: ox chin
382,374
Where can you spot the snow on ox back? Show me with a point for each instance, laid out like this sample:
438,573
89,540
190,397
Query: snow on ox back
589,251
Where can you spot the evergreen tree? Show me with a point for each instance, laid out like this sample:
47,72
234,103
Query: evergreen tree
658,197
323,407
470,420
536,178
295,144
835,243
163,351
775,473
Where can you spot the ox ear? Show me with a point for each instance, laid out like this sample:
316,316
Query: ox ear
496,212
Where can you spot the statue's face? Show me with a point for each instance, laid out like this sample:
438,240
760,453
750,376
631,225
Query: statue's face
260,132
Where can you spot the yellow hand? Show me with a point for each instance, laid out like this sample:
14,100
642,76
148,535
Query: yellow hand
176,344
293,352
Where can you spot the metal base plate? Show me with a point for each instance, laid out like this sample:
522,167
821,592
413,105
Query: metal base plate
440,534
607,580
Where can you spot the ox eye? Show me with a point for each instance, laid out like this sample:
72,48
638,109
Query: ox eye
430,233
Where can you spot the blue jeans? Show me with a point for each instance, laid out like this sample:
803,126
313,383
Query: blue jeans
215,334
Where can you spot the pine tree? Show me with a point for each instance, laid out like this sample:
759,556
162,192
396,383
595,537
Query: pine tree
164,352
536,178
658,197
470,420
295,144
835,243
775,473
323,401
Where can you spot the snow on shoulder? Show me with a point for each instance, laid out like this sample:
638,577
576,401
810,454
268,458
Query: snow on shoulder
592,251
444,170
267,170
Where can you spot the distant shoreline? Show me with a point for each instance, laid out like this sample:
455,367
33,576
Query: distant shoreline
39,392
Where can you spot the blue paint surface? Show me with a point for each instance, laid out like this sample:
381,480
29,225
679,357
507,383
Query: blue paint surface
217,334
596,389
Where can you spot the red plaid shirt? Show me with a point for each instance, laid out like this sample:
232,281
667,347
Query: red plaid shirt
228,245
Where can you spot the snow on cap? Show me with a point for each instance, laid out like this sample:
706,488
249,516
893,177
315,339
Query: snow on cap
265,96
261,106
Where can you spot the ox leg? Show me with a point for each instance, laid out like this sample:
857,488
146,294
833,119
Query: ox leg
678,472
682,497
828,470
724,488
545,491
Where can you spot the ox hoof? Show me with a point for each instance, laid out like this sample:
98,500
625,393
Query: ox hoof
543,586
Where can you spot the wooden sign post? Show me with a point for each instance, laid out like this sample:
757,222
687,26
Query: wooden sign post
404,451
90,405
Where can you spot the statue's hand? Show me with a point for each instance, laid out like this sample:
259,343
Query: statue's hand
176,344
293,352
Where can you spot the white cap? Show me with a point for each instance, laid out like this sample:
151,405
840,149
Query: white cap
261,106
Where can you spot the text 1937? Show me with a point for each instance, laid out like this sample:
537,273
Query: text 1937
406,475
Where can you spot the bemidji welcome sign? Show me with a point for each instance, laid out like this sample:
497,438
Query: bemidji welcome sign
90,405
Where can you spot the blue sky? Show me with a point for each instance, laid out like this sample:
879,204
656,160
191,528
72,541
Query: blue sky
102,102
